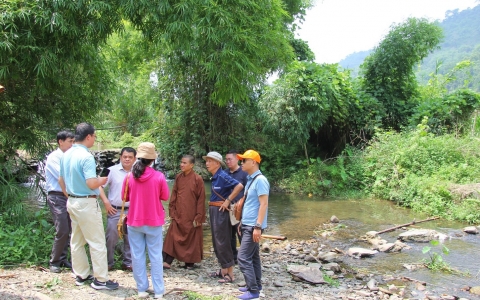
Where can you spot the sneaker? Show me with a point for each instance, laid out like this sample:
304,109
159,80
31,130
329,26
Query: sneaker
249,296
80,281
108,285
143,295
55,269
158,296
245,289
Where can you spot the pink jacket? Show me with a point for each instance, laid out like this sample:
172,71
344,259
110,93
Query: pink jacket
144,195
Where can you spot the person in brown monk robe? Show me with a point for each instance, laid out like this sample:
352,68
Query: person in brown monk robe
184,240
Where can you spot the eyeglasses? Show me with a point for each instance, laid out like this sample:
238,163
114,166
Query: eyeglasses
229,159
245,160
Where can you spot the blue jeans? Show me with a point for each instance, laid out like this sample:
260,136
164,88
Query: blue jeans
152,238
249,260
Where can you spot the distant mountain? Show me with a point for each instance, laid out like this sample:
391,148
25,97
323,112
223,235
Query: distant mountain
461,42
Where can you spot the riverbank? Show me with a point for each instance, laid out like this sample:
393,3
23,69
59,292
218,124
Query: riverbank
346,281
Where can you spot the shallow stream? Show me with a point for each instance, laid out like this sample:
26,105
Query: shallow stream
300,218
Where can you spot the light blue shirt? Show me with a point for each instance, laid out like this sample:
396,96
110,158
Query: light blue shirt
115,181
52,171
76,166
251,206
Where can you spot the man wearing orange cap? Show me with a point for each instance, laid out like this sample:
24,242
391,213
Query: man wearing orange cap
254,221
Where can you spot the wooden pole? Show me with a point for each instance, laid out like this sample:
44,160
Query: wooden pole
274,237
408,224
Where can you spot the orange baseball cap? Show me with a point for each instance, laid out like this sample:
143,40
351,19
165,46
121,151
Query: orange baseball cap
250,154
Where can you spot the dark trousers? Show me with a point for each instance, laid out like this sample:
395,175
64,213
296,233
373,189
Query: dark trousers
234,240
221,236
249,260
63,227
111,238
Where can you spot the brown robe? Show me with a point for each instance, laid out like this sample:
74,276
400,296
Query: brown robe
187,203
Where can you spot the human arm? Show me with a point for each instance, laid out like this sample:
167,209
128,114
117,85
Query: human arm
262,211
96,182
108,206
226,205
61,182
173,202
200,213
164,191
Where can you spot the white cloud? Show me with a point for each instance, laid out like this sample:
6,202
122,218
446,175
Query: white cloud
336,28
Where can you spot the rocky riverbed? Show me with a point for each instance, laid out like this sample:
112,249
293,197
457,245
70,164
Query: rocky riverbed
286,267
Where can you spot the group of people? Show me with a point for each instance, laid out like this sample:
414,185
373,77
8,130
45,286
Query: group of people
73,188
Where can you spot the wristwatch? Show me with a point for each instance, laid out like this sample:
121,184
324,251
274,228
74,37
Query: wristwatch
258,226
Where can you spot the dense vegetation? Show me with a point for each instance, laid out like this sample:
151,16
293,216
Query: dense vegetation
190,76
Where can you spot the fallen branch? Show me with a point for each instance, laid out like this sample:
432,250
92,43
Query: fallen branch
274,237
408,224
8,276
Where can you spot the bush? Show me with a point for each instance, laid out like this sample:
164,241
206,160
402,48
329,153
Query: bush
335,177
416,169
29,243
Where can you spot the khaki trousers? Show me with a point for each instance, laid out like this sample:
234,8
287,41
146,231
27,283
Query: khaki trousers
87,227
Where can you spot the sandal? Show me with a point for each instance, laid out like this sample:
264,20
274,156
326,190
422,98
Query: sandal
216,274
226,279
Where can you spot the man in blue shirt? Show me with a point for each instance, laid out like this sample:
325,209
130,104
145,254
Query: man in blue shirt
254,221
78,177
224,188
236,172
57,202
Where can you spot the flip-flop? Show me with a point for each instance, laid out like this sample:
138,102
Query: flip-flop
167,267
226,279
216,274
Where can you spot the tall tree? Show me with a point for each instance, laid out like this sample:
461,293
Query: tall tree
388,72
308,98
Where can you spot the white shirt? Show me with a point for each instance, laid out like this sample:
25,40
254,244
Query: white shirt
52,171
115,181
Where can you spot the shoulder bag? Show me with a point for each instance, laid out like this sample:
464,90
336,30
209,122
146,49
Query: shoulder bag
122,221
241,202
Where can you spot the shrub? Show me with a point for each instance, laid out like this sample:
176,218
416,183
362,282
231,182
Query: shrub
28,243
415,169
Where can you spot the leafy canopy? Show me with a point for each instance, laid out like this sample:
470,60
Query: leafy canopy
388,71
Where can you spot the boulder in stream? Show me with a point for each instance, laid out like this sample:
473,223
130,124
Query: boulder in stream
361,252
471,230
334,219
310,274
329,256
421,235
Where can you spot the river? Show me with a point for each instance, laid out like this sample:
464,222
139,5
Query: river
299,218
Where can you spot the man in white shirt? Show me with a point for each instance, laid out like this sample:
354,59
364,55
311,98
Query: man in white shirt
113,205
57,202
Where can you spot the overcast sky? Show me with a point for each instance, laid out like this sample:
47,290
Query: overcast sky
336,28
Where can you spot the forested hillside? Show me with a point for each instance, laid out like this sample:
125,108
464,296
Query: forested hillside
461,42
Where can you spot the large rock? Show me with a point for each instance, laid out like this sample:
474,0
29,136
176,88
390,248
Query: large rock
386,247
471,230
310,274
421,235
329,257
332,267
475,290
361,252
376,242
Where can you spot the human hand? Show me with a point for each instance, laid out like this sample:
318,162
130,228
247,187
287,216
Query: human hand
225,206
257,235
110,209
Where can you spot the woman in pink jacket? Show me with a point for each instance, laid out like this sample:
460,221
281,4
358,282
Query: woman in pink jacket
146,188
